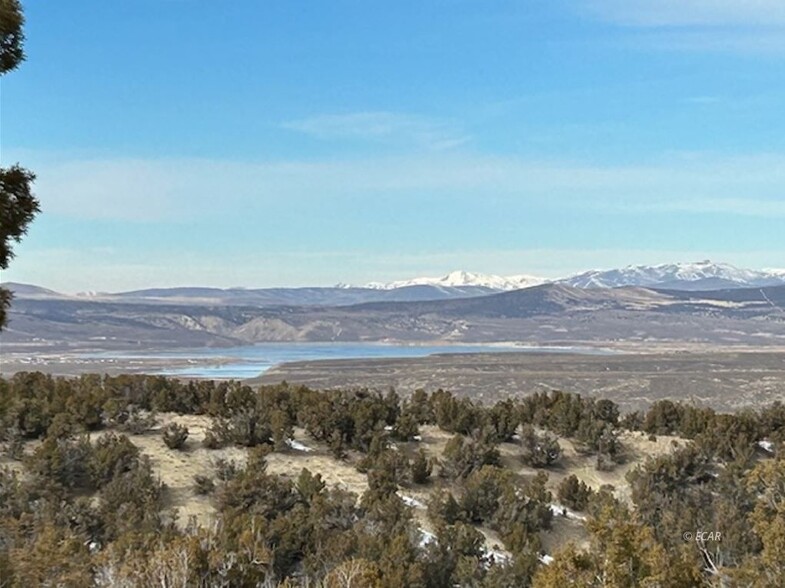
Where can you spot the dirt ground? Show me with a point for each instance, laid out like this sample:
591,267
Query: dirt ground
723,380
177,468
726,380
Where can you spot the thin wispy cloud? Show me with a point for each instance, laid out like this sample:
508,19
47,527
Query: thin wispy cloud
569,126
763,42
731,206
752,27
679,13
381,127
187,189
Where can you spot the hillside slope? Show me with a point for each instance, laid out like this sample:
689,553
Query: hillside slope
548,314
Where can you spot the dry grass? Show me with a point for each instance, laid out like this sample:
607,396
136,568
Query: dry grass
333,472
177,468
12,464
433,440
15,465
637,448
564,531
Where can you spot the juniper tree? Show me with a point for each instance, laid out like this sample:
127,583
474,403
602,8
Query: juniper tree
18,205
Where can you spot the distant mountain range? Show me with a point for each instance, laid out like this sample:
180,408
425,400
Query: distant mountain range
462,279
262,297
704,275
549,314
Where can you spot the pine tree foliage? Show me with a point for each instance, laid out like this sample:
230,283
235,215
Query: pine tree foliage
18,205
87,507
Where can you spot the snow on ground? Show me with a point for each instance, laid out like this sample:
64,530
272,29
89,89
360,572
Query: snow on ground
413,502
297,446
426,537
559,510
495,556
766,446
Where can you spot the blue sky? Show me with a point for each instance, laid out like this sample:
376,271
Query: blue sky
275,143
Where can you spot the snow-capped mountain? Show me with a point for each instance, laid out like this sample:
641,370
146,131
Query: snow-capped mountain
460,279
702,275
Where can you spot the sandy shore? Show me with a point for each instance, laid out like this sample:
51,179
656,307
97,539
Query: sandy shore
73,365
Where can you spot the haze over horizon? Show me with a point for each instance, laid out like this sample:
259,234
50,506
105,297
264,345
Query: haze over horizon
655,276
241,144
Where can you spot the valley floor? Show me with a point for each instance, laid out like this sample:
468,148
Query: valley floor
726,380
723,380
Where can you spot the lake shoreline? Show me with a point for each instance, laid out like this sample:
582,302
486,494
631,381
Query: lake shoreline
213,363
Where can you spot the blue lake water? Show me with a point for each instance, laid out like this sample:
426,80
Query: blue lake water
251,360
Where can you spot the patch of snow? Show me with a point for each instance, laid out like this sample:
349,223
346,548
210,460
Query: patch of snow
413,502
560,510
426,537
546,559
766,445
495,556
297,446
